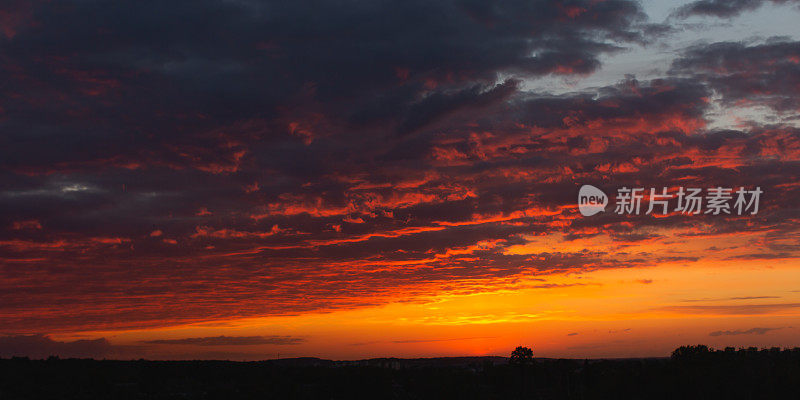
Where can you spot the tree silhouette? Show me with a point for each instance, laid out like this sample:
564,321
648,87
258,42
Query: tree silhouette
521,356
697,352
694,372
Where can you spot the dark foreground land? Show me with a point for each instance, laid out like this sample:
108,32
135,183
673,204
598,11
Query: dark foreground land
691,373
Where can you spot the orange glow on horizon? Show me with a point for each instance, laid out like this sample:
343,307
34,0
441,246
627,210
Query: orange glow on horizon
620,312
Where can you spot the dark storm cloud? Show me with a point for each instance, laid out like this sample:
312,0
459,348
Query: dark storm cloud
118,84
437,105
723,8
756,74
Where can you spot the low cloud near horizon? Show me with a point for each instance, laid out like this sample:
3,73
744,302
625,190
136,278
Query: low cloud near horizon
231,340
751,331
43,346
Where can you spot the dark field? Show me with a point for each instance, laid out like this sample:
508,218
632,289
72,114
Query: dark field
691,373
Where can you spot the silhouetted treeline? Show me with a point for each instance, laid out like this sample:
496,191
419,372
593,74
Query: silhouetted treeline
693,372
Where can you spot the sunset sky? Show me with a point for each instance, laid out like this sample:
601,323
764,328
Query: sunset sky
247,179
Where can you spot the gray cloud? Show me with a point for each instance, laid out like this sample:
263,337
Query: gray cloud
751,331
722,8
753,74
744,309
42,346
231,341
